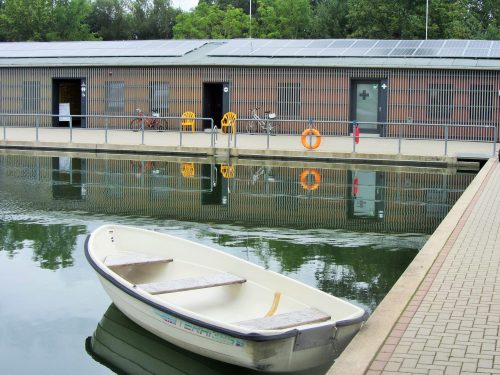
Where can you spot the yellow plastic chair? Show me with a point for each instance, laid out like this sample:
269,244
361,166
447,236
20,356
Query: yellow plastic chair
188,120
228,121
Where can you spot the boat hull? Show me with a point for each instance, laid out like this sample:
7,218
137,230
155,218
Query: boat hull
192,306
278,355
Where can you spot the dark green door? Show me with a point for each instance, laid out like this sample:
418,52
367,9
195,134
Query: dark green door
369,105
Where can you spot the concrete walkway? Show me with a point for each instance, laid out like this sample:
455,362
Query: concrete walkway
375,149
443,314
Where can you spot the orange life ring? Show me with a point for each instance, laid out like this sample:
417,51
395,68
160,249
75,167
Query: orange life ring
307,133
304,179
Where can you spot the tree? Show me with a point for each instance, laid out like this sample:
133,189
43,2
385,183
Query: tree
330,19
242,4
25,20
210,21
153,19
69,21
44,20
111,19
283,19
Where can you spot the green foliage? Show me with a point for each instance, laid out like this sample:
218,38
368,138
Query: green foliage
42,20
330,19
283,19
153,19
211,22
111,19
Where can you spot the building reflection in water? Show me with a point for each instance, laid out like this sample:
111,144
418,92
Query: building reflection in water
348,230
335,196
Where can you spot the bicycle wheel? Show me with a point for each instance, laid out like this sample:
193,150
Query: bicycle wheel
251,125
272,128
136,124
163,124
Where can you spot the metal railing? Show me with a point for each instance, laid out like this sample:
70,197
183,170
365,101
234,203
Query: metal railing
396,131
144,119
388,130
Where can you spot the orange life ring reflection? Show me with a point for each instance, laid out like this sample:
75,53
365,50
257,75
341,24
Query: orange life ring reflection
227,170
305,179
187,169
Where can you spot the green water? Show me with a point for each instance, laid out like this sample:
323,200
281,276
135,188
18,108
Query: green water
352,235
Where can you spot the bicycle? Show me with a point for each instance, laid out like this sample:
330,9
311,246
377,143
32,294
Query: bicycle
266,124
153,122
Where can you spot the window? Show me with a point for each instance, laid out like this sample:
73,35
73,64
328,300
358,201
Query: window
289,99
440,101
31,96
115,96
481,102
158,97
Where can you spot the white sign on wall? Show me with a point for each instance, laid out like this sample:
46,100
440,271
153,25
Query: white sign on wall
64,113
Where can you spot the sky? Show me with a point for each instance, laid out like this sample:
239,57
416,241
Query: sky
185,4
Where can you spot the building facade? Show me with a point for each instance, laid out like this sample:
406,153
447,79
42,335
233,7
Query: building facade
453,83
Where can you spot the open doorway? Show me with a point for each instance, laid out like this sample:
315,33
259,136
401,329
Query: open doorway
215,102
68,98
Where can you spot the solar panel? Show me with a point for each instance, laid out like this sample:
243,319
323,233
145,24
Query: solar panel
451,52
453,43
426,52
476,52
387,43
403,51
342,43
320,43
432,44
379,52
100,49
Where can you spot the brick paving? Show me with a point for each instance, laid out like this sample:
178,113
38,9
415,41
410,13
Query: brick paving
451,325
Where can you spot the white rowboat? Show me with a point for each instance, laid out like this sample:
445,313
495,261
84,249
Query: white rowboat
217,305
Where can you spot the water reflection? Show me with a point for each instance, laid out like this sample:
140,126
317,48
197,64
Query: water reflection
349,231
52,245
331,196
126,348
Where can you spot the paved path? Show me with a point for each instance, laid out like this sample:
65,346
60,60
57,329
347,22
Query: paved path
443,314
450,322
343,148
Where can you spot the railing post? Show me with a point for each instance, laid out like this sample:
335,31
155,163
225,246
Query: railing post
106,130
4,129
180,133
495,135
446,140
214,133
354,123
399,137
235,133
310,132
37,126
70,129
142,126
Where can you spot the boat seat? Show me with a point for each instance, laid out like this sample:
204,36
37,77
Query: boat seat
134,260
286,320
191,283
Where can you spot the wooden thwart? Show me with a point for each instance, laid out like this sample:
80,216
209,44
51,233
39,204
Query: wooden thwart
191,283
133,260
286,320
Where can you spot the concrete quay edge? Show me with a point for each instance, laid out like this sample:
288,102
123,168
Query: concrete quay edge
363,349
221,153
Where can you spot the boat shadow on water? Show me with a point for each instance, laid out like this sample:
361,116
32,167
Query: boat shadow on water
126,348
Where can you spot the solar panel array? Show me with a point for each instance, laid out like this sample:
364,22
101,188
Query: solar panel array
358,48
100,49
